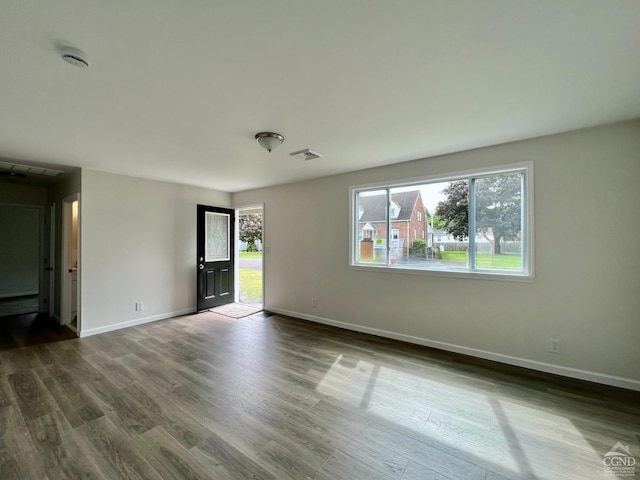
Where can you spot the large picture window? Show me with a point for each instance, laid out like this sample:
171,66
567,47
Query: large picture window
475,223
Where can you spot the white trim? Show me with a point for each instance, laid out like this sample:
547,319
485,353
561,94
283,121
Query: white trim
601,378
497,275
65,280
528,233
18,294
236,257
79,286
445,177
137,321
237,250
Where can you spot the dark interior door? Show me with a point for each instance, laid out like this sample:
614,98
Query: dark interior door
214,264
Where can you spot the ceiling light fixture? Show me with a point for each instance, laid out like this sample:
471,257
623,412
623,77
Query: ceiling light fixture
74,56
269,140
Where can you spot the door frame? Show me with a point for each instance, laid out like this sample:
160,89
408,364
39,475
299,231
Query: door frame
66,292
52,258
237,245
47,259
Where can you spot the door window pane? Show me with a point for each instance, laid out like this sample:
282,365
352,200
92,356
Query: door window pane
217,237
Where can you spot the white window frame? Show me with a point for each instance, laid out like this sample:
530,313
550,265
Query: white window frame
527,234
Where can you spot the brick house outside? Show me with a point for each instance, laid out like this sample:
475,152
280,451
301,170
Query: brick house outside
408,221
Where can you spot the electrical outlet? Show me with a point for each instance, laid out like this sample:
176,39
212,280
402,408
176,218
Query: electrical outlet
554,345
314,303
139,306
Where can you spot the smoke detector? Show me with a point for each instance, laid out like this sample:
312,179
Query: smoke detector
306,154
74,56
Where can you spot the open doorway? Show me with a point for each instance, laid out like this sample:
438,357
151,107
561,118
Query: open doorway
20,260
70,292
250,265
26,284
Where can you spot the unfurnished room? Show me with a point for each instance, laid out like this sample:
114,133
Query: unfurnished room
336,240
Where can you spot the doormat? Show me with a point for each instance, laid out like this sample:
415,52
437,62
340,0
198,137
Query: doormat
235,310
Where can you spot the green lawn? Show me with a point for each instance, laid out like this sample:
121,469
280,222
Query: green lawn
251,286
251,281
505,261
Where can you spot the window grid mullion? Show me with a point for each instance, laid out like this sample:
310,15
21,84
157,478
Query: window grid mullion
472,223
388,226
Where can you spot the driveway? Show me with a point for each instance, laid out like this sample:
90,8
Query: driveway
251,264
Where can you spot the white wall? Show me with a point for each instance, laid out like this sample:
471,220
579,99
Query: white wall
138,243
586,293
19,250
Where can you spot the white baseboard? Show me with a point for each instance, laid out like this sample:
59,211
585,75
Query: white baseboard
133,323
611,380
18,294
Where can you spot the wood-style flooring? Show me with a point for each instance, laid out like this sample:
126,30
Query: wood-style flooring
28,329
271,397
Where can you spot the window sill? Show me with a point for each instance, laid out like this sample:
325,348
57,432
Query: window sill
451,273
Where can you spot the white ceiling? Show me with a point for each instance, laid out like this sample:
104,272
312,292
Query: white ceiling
177,90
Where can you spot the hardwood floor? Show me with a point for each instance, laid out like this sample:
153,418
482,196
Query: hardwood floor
271,397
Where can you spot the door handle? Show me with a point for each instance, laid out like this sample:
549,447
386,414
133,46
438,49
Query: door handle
201,267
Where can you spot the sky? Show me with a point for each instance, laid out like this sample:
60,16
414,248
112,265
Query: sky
430,193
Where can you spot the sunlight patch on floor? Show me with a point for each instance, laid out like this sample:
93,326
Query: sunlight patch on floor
517,437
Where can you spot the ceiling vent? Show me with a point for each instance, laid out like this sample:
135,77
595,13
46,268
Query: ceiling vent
306,154
24,169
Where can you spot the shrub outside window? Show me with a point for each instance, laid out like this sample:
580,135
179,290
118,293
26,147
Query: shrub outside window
475,224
